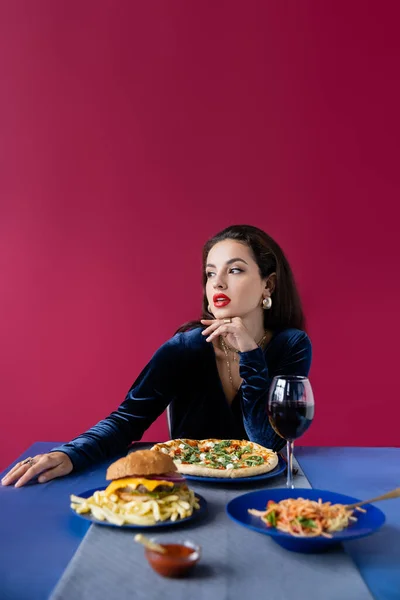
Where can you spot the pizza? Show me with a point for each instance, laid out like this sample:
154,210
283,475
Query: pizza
219,458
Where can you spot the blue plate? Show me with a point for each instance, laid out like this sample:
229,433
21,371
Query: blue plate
200,512
280,467
366,523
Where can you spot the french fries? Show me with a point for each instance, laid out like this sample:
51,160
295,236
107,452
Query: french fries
137,512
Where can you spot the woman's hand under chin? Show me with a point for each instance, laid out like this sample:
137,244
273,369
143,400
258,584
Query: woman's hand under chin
234,332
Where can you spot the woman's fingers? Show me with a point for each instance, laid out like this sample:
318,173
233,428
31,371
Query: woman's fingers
24,472
44,463
20,464
211,326
210,329
215,325
233,330
14,474
57,471
221,330
18,470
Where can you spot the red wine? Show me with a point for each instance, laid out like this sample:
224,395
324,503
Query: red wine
291,421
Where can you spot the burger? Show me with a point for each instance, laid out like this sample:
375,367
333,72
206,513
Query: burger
144,474
145,488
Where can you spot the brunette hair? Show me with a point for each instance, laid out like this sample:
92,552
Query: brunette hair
286,311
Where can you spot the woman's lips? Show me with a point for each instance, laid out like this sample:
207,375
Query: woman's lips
220,300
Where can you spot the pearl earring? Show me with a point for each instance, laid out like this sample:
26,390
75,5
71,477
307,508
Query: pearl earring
267,303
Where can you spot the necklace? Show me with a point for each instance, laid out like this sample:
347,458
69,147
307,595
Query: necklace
260,343
226,347
228,364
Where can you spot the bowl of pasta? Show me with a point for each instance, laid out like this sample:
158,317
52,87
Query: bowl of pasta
305,520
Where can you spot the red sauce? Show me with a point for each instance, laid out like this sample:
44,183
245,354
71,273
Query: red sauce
177,550
175,562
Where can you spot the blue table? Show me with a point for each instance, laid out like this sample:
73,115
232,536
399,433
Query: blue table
39,535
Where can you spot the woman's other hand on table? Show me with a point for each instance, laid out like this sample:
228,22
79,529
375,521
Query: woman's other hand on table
43,466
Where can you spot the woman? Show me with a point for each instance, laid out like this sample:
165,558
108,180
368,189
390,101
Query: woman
214,374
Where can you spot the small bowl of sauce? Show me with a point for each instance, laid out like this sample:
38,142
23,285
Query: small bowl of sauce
177,560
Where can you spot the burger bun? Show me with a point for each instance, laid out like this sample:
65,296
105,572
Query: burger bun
141,463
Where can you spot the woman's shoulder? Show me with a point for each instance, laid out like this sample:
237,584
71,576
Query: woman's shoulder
290,352
184,340
191,338
291,337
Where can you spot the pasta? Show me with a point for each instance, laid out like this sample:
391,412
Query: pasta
306,518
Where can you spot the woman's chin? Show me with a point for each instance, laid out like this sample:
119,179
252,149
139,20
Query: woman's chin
223,313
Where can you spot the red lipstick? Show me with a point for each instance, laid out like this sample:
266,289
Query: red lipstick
221,300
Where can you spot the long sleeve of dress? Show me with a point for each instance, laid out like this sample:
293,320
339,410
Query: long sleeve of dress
295,359
151,393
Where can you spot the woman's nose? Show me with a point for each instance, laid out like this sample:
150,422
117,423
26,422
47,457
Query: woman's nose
219,283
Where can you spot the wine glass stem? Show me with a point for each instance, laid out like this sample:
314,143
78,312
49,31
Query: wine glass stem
289,480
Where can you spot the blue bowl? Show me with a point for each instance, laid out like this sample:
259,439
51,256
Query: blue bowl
366,523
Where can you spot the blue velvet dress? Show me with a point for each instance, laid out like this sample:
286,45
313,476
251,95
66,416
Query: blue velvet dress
183,374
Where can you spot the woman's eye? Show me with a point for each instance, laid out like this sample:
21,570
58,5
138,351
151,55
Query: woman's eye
236,270
209,274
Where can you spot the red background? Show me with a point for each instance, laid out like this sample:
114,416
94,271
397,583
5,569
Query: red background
133,131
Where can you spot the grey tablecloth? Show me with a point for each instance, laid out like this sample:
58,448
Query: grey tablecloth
236,563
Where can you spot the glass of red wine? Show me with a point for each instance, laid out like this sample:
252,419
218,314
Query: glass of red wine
290,411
